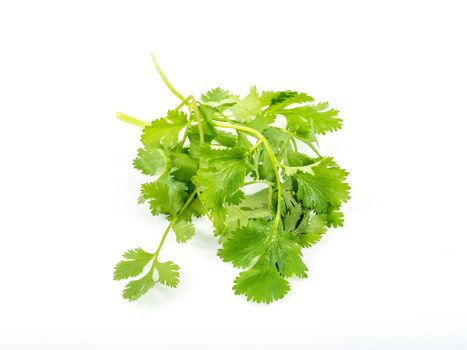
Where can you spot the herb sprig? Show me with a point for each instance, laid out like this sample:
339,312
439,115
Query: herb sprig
205,155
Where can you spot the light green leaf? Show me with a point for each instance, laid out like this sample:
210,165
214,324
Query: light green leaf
324,119
136,260
245,244
277,100
335,219
168,273
149,160
245,109
135,289
164,131
261,286
165,195
325,190
261,121
194,209
221,180
253,206
218,97
287,257
183,166
292,216
184,231
311,228
307,120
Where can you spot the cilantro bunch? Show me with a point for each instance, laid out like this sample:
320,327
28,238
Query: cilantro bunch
202,155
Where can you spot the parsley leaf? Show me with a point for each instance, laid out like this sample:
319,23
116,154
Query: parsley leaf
221,179
137,288
165,195
311,228
218,97
149,160
184,231
136,260
164,131
168,273
245,109
246,244
276,255
325,189
251,207
261,285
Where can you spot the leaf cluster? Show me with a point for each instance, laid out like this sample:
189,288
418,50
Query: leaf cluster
200,162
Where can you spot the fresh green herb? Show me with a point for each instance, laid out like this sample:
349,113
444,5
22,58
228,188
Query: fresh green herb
204,152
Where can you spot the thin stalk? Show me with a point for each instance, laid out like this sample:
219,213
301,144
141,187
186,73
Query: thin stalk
185,134
172,222
256,163
224,117
130,120
164,78
204,206
252,149
185,102
294,143
258,182
315,150
270,193
195,109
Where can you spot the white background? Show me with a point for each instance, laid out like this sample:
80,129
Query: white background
392,278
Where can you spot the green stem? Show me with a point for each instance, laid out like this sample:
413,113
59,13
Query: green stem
271,155
172,222
257,182
256,163
204,206
185,102
198,119
164,78
315,150
270,193
185,134
130,120
294,143
161,243
252,149
224,118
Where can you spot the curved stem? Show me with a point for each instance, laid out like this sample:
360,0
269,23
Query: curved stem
164,78
315,150
224,117
185,134
204,206
194,106
161,243
172,222
271,155
252,149
294,143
